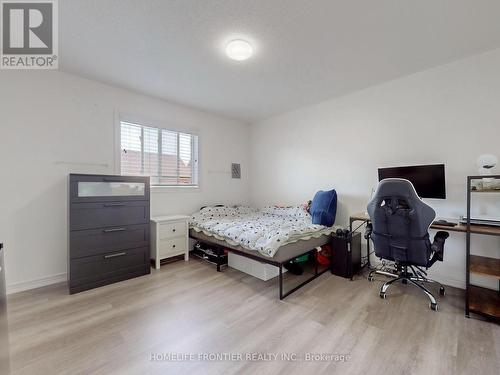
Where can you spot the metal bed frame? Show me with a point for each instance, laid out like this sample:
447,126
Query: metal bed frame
279,264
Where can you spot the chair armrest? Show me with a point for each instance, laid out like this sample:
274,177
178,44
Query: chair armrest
438,246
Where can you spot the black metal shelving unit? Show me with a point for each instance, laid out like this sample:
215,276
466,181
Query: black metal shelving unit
480,300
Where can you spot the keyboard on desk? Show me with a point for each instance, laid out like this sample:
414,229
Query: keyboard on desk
444,223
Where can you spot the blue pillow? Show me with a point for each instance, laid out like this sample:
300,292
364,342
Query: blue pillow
324,208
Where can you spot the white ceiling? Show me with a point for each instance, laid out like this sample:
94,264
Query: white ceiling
306,50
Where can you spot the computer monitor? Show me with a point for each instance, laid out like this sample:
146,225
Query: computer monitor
428,180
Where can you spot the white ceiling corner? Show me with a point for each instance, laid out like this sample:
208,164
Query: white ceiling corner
305,51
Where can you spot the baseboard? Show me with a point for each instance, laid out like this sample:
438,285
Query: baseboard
447,280
33,284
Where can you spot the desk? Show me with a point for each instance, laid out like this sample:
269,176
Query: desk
364,218
475,229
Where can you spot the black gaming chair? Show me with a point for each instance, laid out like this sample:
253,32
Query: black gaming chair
399,227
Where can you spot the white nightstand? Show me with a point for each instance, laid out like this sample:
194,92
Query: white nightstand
169,237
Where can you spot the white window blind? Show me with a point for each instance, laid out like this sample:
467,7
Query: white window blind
170,158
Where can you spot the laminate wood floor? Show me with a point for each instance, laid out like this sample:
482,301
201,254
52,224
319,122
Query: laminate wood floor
188,308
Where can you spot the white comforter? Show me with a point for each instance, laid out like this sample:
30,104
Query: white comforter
264,231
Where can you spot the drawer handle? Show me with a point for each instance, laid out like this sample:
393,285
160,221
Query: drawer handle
114,204
114,230
114,255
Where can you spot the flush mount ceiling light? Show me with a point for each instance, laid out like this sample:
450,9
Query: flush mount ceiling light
239,50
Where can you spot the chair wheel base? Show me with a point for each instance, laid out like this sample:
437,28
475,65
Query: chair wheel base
442,291
370,278
383,295
433,306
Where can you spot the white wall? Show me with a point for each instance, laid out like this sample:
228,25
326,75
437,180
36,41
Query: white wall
51,117
449,114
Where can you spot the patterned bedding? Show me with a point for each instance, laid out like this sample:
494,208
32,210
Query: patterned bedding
263,230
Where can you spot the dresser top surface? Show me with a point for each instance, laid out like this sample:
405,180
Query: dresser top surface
161,219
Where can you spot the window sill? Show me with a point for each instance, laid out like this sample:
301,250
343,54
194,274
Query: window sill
174,189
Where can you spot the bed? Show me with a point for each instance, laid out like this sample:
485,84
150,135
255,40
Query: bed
283,255
273,235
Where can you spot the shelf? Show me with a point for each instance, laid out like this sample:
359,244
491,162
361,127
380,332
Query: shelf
484,301
485,191
485,266
492,177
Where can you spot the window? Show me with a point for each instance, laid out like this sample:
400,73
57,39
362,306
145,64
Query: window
170,158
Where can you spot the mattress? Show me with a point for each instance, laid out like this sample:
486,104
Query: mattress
284,253
263,231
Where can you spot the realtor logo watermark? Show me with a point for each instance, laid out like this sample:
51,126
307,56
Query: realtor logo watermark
29,34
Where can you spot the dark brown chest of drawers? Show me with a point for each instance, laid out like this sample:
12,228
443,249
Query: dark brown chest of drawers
108,230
